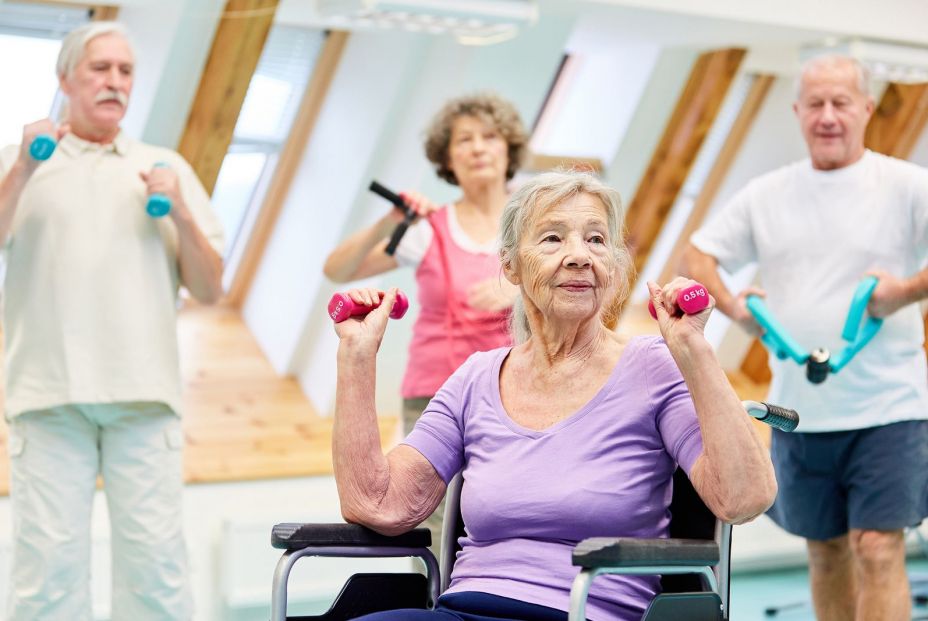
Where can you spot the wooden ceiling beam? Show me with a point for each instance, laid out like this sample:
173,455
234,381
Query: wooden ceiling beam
739,131
693,116
898,120
232,60
103,12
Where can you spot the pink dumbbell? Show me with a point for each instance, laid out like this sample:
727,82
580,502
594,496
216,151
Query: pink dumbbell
341,307
690,300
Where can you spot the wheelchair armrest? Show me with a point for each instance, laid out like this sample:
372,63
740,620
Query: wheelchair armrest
629,552
292,536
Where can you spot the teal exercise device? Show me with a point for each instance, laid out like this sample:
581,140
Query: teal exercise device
819,362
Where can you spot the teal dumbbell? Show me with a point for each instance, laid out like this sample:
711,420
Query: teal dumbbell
42,147
158,205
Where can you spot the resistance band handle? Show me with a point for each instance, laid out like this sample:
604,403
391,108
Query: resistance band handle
690,300
871,327
394,198
776,416
398,233
42,147
399,203
342,307
775,336
858,306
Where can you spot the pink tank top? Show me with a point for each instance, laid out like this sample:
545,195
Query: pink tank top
447,329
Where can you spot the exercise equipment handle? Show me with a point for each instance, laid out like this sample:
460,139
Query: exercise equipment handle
690,300
408,217
158,205
858,334
775,336
858,307
42,147
776,416
342,307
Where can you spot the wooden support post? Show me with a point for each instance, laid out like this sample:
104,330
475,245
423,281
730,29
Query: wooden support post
232,60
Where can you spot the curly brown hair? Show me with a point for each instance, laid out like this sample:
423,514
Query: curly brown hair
489,108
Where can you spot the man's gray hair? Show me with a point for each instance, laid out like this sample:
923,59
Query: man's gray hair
534,198
828,61
75,43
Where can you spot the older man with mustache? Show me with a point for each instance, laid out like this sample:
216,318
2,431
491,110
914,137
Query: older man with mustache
92,379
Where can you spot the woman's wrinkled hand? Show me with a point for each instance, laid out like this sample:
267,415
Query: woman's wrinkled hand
677,328
364,333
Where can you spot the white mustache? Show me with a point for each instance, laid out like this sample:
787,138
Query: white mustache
109,95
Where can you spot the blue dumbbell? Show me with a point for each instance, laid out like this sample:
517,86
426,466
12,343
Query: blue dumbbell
42,147
158,205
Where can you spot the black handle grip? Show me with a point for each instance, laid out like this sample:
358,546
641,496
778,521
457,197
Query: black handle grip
394,198
781,418
401,228
398,233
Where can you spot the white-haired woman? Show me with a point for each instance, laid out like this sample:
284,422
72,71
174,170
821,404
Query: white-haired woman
571,433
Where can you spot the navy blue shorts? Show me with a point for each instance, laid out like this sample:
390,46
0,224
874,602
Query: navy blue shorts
869,479
473,606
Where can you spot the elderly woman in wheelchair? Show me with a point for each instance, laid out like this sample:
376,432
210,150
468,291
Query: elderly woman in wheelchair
573,432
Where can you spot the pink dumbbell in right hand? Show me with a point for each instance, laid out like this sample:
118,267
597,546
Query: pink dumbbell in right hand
690,300
341,307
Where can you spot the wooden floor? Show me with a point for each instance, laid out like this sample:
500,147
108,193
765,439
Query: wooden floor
242,421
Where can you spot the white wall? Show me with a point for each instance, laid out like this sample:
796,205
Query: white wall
892,20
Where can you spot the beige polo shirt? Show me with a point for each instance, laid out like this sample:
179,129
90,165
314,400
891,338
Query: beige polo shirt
90,295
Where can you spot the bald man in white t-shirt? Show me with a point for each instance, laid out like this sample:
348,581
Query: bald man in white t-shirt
92,372
853,476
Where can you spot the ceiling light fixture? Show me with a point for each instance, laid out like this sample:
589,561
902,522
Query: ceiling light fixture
471,22
887,62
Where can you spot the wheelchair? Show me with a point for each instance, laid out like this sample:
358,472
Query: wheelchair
693,563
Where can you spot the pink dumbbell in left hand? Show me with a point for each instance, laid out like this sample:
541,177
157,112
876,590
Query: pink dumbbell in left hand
690,300
341,307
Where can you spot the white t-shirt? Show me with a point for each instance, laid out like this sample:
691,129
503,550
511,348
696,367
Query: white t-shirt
90,295
418,238
813,234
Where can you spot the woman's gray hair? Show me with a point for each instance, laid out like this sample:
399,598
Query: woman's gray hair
75,44
534,198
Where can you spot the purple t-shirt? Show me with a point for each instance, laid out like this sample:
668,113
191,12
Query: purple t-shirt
530,496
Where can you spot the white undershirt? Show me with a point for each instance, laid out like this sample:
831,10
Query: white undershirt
418,238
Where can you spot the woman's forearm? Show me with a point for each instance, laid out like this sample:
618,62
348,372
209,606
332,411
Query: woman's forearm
734,475
361,469
359,255
389,493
